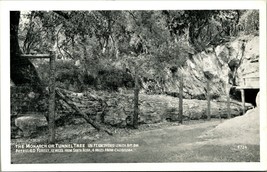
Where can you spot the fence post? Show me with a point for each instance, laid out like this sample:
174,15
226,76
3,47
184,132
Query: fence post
181,85
136,98
51,121
243,100
208,99
228,106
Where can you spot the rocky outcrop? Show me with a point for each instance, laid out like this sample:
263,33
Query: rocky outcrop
241,56
227,64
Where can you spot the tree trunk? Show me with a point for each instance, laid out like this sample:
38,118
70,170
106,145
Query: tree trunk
136,99
22,70
14,25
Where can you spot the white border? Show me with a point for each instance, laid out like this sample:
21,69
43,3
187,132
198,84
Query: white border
130,5
6,6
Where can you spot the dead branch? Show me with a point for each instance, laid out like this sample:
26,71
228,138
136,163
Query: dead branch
79,112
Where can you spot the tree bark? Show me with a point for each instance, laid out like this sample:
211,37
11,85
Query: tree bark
22,70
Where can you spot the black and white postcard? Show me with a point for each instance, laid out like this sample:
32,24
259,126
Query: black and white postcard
133,85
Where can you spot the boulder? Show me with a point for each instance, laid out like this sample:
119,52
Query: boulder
29,123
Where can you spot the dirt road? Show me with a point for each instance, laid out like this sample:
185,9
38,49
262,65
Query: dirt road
173,144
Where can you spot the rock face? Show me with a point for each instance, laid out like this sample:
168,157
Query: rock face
194,77
226,63
244,52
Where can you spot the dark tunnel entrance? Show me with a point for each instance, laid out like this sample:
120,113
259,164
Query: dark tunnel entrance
250,95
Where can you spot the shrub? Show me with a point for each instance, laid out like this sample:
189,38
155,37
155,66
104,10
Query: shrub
113,79
74,78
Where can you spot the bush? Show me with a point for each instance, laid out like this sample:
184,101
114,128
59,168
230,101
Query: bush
74,78
25,100
67,75
113,79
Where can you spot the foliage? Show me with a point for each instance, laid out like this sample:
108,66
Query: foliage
113,79
72,77
25,100
202,27
151,40
249,22
67,75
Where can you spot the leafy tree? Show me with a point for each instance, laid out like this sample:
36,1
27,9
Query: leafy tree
203,27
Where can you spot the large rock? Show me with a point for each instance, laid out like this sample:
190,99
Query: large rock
195,78
29,123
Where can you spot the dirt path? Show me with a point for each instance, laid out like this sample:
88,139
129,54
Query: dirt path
173,144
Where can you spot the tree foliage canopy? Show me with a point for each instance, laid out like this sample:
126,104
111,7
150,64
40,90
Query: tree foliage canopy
151,39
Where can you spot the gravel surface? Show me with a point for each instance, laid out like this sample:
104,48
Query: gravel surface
243,130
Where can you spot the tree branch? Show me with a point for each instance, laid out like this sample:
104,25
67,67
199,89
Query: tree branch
58,47
62,14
